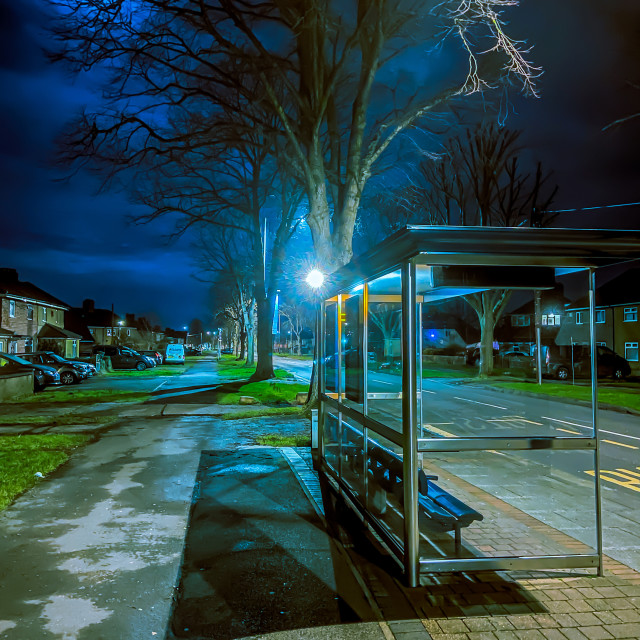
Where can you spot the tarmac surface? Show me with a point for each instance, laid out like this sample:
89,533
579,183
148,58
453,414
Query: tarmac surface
174,525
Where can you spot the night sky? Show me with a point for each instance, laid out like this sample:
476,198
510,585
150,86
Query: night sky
76,245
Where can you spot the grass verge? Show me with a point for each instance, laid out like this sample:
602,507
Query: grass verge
75,419
268,411
21,457
627,398
84,396
265,392
161,370
274,440
234,369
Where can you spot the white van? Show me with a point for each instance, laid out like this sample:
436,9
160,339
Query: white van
174,353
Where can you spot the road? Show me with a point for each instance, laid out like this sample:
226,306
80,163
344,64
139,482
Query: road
458,408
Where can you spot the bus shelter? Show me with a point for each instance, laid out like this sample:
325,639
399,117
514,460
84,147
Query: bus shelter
428,342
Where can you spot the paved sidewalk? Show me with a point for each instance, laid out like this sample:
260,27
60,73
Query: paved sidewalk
96,551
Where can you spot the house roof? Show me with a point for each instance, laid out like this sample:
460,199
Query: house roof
11,287
49,331
622,289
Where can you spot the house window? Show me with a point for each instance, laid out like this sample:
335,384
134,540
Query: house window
520,321
601,344
28,345
550,320
579,317
12,308
128,332
29,312
600,315
631,314
91,331
44,314
108,332
631,351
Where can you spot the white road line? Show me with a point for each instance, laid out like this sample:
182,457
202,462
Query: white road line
612,433
425,391
573,424
495,406
382,382
165,382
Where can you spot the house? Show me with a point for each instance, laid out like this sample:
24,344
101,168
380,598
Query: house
616,305
32,319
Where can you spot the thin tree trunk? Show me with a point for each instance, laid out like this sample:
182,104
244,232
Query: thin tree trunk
264,370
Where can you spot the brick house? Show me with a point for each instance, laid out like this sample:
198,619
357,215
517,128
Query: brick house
32,319
617,326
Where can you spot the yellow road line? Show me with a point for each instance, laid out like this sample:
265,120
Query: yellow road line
577,433
441,432
620,444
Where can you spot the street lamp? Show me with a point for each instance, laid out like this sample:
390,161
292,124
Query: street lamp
315,278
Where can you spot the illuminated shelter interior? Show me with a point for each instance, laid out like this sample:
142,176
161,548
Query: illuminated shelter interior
453,472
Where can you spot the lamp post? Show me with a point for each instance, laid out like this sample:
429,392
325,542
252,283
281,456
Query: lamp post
219,342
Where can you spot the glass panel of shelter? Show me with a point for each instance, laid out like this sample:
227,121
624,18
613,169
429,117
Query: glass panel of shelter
481,500
491,499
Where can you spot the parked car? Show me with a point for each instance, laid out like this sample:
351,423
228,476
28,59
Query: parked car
193,351
515,360
226,351
156,355
174,353
559,362
71,371
42,375
123,357
472,353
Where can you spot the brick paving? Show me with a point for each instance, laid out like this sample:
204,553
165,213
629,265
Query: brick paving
552,605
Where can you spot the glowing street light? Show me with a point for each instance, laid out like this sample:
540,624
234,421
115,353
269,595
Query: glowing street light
315,279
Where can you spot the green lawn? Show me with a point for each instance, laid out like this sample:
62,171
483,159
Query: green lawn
73,419
233,369
21,457
274,440
266,392
268,411
84,396
621,397
160,370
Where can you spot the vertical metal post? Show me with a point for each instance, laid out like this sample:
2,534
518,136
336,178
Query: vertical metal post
365,387
537,321
420,365
410,425
594,409
322,329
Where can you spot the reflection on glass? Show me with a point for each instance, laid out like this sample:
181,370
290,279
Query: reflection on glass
353,459
385,492
331,348
352,349
332,441
384,357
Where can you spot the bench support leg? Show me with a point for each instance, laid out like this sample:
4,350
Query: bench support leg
458,538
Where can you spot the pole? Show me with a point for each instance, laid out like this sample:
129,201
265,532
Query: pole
594,409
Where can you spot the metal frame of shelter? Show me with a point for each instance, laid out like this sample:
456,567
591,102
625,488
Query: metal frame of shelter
436,262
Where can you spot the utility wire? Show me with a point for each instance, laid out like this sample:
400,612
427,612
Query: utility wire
605,206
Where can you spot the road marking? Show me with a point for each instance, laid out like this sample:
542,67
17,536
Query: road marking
165,382
441,432
630,479
425,391
576,433
495,406
573,424
620,435
620,444
515,419
612,433
382,382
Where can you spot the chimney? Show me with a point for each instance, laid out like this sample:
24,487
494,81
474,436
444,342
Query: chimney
88,305
8,275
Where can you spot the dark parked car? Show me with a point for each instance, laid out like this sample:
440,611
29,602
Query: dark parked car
192,351
156,355
559,361
123,357
71,371
42,375
515,360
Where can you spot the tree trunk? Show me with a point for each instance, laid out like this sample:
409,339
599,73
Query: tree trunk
264,370
243,344
251,335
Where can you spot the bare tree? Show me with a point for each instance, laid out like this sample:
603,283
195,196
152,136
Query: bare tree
323,78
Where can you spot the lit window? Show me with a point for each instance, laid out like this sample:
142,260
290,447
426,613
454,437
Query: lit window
631,314
631,351
29,312
128,332
12,308
579,317
600,315
91,331
43,314
108,332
